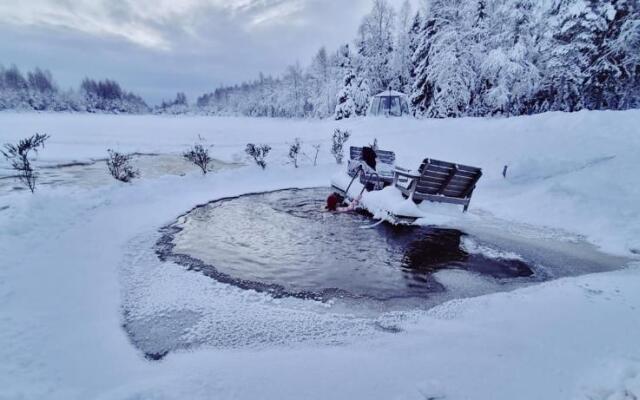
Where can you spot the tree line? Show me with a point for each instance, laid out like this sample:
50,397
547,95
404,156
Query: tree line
36,90
452,58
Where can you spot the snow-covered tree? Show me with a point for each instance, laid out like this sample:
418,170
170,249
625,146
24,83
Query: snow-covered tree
295,92
346,106
614,74
179,105
508,72
108,96
454,58
322,85
375,45
445,65
361,96
401,66
415,31
422,89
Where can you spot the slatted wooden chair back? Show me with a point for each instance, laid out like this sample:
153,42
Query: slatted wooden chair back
447,179
355,153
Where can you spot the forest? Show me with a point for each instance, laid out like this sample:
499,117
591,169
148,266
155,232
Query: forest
452,58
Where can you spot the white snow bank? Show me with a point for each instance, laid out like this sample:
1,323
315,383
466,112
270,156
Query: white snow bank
65,250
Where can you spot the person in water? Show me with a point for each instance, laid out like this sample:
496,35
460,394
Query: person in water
336,203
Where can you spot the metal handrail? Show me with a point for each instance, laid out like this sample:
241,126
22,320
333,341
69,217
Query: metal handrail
365,185
360,171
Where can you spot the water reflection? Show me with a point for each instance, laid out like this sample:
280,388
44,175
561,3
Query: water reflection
285,243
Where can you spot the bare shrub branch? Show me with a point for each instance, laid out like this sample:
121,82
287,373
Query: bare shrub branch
199,155
259,153
18,156
120,168
316,147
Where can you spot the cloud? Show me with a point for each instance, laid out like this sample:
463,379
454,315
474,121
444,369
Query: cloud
147,23
159,47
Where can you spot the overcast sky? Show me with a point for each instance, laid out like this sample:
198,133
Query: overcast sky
159,47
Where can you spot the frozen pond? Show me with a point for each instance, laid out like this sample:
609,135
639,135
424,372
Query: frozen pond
285,244
94,173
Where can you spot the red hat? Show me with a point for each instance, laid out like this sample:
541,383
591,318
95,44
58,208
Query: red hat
332,202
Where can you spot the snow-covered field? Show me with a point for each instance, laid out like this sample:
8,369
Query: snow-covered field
75,257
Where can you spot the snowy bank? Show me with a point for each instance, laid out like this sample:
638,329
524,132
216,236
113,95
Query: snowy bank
70,256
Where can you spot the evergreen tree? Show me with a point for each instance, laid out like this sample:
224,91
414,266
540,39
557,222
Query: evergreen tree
422,89
345,102
445,73
346,105
414,41
361,96
614,74
508,73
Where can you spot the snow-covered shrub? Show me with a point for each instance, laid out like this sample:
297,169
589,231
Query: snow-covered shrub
340,137
259,153
199,155
119,166
316,147
18,156
294,151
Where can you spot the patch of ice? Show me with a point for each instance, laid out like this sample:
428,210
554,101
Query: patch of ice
473,247
468,284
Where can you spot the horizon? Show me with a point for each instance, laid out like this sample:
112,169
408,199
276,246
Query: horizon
192,46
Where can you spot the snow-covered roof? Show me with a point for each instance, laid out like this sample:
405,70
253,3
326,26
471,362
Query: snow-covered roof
387,93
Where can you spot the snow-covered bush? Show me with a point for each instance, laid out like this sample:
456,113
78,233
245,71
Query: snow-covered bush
199,155
316,147
340,137
18,156
294,151
119,166
259,153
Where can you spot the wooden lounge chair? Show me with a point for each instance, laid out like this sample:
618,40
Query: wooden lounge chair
438,181
383,174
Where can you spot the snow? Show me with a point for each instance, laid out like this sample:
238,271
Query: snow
75,258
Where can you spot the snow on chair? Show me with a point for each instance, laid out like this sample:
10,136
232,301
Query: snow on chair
381,176
438,181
